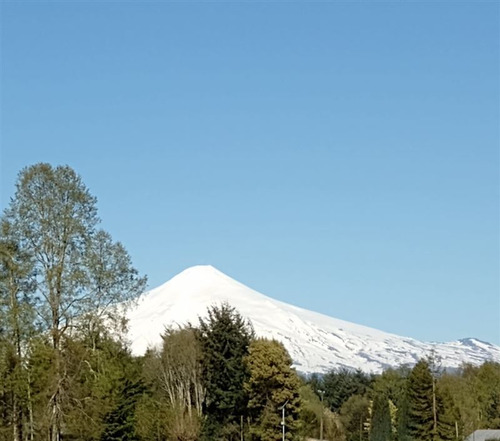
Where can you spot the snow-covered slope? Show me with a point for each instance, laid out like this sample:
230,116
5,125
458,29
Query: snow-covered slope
315,341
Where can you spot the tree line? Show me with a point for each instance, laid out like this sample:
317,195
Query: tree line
66,372
424,402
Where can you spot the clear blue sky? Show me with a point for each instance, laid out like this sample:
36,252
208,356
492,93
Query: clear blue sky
342,157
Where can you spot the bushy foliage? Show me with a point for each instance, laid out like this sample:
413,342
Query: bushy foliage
341,384
272,385
224,337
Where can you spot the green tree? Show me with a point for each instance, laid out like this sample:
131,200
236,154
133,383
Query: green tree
224,338
355,415
151,418
119,423
53,218
340,384
272,384
448,416
392,384
420,402
487,389
403,432
311,412
381,423
16,328
173,375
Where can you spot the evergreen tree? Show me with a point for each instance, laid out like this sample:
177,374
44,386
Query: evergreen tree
272,384
487,390
343,383
119,423
403,432
448,416
224,338
381,424
420,402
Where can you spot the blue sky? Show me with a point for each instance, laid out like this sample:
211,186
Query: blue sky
342,157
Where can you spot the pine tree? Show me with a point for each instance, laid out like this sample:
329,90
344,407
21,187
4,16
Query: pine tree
448,416
340,384
224,338
119,423
420,402
403,432
381,424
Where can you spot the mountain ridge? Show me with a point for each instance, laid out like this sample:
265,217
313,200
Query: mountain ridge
316,342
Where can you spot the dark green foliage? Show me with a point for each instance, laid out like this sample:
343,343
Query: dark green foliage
119,423
448,416
381,425
403,432
341,384
420,402
224,338
392,384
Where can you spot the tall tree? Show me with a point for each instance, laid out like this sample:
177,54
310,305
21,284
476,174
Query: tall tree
448,416
173,375
224,336
180,370
381,424
392,384
272,384
53,217
487,389
421,407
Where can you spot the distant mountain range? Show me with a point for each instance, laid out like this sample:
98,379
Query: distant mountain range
316,342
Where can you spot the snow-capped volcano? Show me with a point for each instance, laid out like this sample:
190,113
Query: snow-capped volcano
316,342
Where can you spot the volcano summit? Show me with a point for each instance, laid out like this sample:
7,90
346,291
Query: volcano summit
316,342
